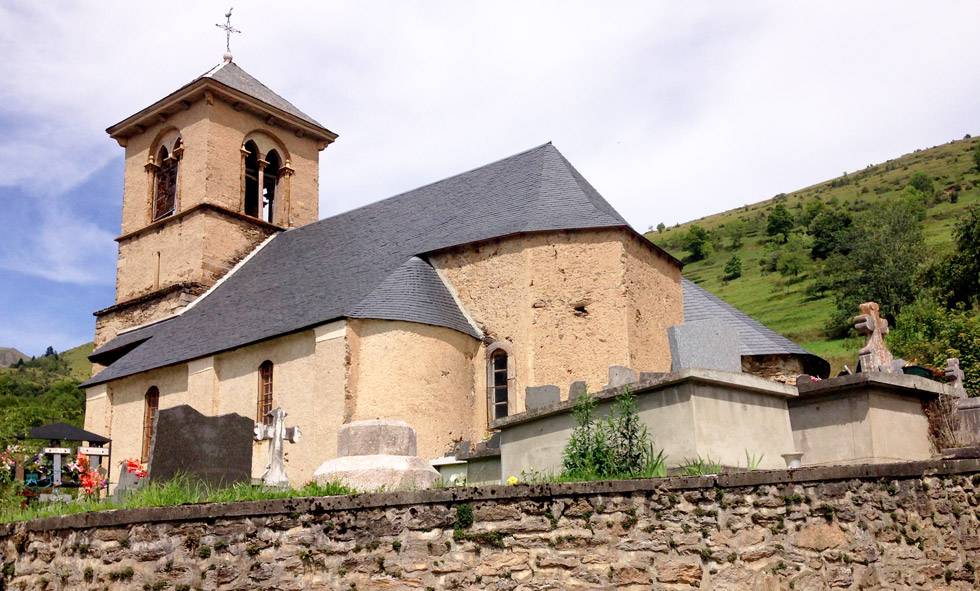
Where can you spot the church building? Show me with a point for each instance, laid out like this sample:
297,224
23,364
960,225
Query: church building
439,306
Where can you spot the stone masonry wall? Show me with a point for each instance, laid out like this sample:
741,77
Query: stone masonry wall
894,526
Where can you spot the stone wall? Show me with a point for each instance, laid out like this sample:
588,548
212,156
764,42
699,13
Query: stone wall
899,525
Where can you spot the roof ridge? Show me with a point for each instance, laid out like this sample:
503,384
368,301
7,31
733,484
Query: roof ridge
422,186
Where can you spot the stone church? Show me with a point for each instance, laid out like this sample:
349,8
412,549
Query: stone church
439,306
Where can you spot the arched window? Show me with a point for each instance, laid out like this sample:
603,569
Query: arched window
165,185
151,404
265,393
498,382
251,179
270,180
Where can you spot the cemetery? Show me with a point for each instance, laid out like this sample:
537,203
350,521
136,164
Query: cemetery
704,412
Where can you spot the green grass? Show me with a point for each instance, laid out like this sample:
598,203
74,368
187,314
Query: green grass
178,491
77,358
782,303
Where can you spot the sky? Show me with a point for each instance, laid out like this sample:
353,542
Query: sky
672,110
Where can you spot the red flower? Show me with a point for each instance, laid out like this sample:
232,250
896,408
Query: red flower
136,467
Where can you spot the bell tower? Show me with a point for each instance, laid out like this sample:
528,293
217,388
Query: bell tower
211,171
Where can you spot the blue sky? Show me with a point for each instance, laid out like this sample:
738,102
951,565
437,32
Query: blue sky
672,110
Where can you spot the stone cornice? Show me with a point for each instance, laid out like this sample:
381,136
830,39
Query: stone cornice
202,88
200,208
193,287
907,385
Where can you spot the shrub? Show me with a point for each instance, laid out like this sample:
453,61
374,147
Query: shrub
697,242
618,446
733,268
927,332
922,183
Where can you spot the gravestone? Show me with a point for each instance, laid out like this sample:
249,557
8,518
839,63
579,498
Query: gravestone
125,484
704,344
576,389
541,396
277,433
620,376
214,450
874,355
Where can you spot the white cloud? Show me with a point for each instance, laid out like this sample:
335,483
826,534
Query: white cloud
672,110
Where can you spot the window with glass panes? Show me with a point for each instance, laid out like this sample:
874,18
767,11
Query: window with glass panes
498,383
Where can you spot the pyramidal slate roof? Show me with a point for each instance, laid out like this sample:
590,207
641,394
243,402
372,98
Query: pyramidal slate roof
370,262
754,338
229,74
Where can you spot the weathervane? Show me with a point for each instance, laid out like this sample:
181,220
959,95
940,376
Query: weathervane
228,29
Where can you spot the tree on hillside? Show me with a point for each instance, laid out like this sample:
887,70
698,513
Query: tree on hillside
829,231
922,183
956,279
733,268
735,230
887,247
793,256
809,212
697,242
661,227
780,223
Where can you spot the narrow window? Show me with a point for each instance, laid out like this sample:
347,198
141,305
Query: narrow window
165,191
251,179
498,383
150,406
270,179
265,393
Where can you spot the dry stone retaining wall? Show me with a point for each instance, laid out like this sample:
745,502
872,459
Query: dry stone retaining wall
896,526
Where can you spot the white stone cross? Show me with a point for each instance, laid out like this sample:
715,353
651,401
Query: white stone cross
276,433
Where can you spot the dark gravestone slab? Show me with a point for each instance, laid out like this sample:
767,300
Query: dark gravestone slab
213,450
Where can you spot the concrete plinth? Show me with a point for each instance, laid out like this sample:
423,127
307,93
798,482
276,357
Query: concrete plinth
870,417
375,455
374,472
692,413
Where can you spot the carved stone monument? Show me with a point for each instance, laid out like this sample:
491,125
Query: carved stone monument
277,433
377,454
874,356
955,376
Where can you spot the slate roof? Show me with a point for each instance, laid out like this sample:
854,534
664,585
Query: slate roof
754,338
231,75
369,262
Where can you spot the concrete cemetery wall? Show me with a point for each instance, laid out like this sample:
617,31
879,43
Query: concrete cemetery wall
689,414
894,526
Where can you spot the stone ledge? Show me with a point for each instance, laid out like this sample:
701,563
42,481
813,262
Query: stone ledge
706,376
211,511
903,384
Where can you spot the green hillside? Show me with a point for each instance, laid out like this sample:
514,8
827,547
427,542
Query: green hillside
43,390
783,303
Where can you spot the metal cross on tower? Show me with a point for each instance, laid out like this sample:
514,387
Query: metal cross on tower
228,29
